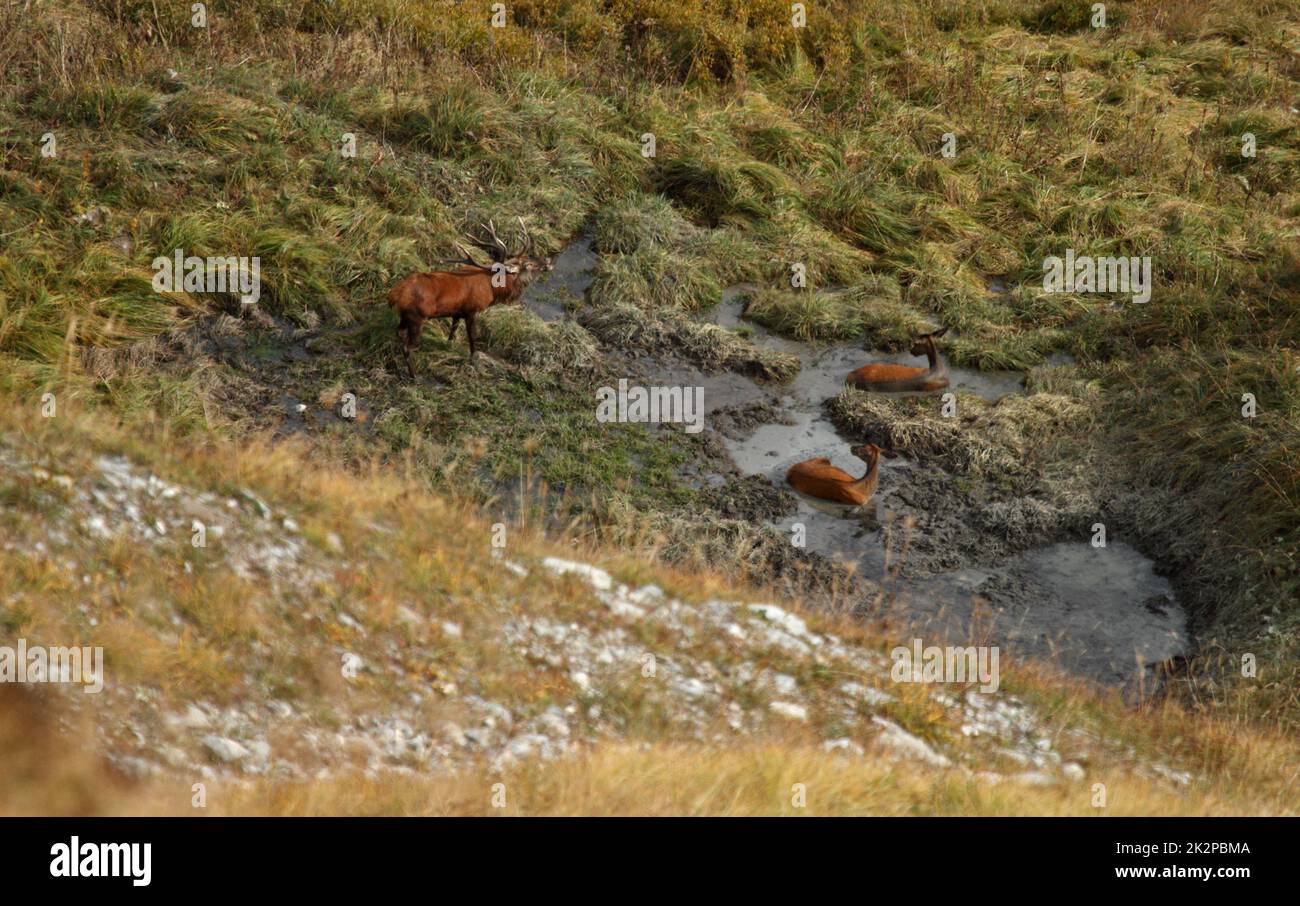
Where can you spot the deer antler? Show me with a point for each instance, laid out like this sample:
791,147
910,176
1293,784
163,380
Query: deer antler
464,253
527,237
498,250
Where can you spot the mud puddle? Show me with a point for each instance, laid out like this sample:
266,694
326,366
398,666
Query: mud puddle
1102,613
552,294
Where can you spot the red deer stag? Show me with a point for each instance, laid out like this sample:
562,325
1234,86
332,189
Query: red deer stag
886,378
818,478
464,293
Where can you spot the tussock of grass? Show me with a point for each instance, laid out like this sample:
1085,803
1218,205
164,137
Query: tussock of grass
519,336
714,348
718,189
817,315
873,307
454,123
217,122
998,441
655,279
870,214
644,219
1006,349
827,260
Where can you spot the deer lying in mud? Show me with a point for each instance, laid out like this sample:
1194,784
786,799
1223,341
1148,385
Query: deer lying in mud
887,378
464,293
818,478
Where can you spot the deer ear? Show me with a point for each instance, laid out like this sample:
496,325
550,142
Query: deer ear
512,269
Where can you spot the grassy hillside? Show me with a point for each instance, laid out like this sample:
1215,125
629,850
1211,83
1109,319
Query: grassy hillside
773,145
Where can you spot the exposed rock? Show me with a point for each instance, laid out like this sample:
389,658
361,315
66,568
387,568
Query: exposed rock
843,744
224,749
598,578
899,740
789,709
193,719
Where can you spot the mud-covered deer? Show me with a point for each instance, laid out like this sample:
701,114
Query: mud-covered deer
463,293
883,377
818,478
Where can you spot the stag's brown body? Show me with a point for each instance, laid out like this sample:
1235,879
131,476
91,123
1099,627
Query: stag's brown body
450,294
461,294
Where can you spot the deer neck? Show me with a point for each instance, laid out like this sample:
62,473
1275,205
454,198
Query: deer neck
938,367
510,288
868,480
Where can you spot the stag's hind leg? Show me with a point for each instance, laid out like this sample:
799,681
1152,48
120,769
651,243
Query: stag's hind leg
401,344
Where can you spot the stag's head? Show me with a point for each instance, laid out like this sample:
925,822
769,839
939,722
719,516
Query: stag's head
869,453
922,343
521,266
526,264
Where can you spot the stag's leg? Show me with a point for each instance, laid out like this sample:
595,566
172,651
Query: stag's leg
401,343
413,327
451,331
471,330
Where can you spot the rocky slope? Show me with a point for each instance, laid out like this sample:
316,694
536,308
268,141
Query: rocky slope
609,661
